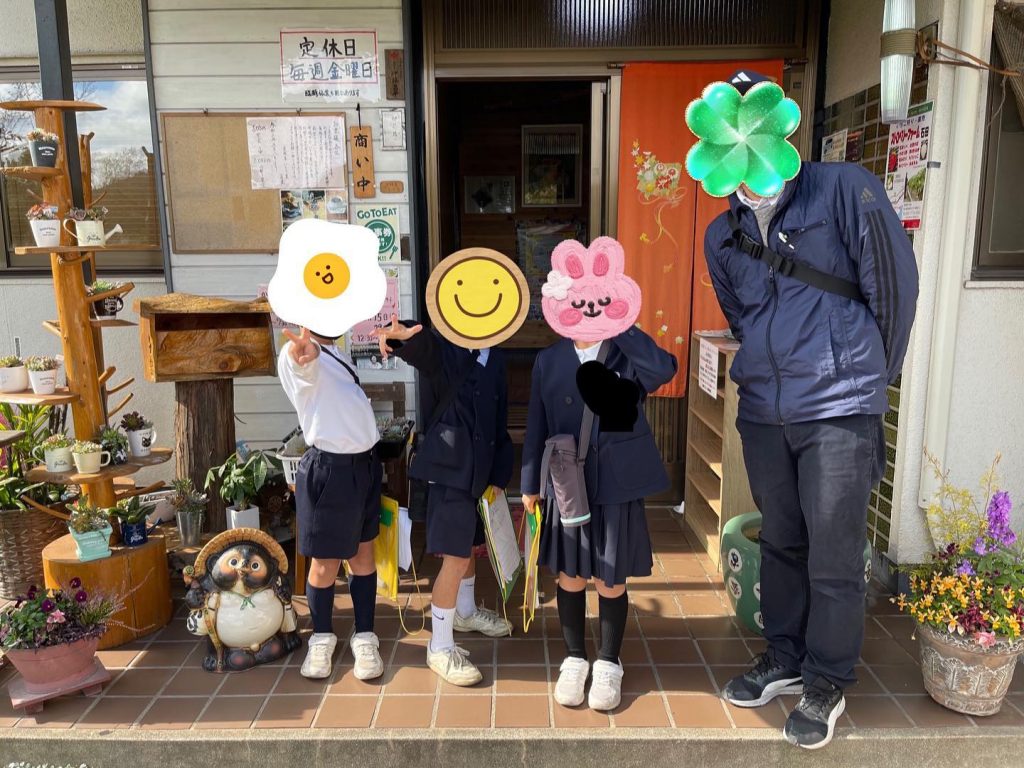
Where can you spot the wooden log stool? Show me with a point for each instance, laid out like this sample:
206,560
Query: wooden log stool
136,575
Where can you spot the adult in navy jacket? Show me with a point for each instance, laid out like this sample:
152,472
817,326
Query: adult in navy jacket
621,469
812,373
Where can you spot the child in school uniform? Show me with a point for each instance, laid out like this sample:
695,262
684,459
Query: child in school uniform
337,495
464,450
621,469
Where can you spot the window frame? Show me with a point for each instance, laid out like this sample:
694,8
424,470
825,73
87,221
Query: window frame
141,262
981,268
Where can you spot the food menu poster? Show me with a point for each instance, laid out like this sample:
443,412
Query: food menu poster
907,164
297,152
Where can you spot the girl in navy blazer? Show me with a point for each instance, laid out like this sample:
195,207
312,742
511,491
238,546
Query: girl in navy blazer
621,469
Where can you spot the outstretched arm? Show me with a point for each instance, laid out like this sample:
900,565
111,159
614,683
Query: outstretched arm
654,366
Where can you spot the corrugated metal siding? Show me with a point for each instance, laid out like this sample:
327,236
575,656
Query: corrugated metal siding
548,24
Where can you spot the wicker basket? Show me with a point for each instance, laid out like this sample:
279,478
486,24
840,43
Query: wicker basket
23,535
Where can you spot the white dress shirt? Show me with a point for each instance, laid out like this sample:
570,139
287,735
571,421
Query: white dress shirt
334,412
589,354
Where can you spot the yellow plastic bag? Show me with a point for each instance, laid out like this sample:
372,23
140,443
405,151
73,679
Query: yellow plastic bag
385,549
530,536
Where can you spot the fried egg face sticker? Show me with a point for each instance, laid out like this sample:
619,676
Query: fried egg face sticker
477,298
327,277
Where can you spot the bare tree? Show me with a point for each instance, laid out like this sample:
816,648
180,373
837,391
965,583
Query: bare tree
13,125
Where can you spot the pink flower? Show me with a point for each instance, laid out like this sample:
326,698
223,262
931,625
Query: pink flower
56,617
985,639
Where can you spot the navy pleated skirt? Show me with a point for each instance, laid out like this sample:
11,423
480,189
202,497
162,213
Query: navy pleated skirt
613,546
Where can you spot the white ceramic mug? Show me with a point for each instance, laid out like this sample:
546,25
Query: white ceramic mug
90,463
140,441
56,459
43,382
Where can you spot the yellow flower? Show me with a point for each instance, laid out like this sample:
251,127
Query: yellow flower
644,238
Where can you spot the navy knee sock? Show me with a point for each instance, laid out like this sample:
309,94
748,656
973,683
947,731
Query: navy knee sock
364,600
572,615
321,608
613,613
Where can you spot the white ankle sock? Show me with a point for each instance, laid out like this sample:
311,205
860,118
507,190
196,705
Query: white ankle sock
466,603
441,629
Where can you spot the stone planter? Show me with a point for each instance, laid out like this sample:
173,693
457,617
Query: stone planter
961,675
56,667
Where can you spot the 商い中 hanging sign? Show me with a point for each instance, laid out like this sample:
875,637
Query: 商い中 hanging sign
329,65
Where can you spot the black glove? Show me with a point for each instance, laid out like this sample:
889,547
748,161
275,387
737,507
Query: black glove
613,399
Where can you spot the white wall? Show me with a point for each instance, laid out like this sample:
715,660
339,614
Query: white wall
110,30
228,59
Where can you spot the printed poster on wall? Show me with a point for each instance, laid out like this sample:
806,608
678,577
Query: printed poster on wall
907,164
297,152
329,65
323,204
362,344
383,220
833,147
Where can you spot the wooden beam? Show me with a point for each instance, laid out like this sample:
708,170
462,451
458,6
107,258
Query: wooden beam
119,387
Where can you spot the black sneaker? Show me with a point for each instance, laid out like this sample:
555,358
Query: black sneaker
762,683
813,721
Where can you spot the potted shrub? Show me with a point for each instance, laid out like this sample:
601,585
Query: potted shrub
132,513
13,374
110,306
90,527
56,453
189,510
42,373
42,217
140,433
968,601
51,637
89,226
238,481
42,147
89,457
115,442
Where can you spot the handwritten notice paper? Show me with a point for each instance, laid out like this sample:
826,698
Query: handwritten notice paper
329,65
297,152
707,368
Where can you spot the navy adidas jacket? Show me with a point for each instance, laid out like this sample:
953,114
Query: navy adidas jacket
469,447
807,354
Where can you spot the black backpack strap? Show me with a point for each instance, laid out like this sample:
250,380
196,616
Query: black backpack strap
587,425
345,365
784,265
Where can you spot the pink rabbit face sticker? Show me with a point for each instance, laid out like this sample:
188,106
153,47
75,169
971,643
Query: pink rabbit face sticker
588,296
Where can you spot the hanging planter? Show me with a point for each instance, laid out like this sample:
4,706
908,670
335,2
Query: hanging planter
42,147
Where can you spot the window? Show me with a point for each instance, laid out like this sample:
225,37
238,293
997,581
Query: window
122,166
1000,248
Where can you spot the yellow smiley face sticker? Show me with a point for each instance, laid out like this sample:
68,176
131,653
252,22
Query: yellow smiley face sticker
326,275
477,298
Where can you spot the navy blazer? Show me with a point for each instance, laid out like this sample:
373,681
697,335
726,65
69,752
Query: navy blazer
621,466
469,447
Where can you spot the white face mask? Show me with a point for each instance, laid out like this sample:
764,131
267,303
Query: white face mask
759,203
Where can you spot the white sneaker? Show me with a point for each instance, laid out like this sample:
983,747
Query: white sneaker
453,666
572,679
606,690
484,621
317,663
366,652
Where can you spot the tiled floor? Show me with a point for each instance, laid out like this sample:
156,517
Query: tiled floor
680,649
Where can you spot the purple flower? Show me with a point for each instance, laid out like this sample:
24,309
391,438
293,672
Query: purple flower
32,592
81,596
48,605
76,583
965,569
980,546
999,509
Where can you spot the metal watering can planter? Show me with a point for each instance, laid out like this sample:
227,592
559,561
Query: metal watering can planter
90,233
136,534
741,568
92,545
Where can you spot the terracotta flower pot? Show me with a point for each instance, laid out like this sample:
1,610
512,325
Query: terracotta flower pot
961,675
57,667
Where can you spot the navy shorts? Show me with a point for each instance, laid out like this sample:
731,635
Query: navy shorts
454,526
337,502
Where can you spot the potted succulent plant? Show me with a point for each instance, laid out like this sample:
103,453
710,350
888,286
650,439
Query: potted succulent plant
189,510
13,374
45,224
114,441
140,433
89,457
42,373
89,225
968,601
51,637
42,146
56,453
111,305
238,481
132,513
90,527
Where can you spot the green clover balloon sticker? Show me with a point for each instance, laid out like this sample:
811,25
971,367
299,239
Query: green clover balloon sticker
742,139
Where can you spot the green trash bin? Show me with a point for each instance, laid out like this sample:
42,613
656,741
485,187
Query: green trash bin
741,568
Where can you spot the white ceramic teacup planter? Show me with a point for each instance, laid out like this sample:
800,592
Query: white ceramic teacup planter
14,379
56,459
140,441
90,463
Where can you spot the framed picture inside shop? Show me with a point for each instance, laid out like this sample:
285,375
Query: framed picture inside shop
552,165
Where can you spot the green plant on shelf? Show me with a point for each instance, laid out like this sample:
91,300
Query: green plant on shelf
116,442
187,501
237,480
11,361
42,212
42,363
85,517
17,459
134,421
86,446
102,286
132,510
56,442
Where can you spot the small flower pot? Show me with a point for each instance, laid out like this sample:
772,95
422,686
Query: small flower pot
140,441
14,379
109,307
134,534
87,233
94,545
56,459
43,152
43,382
56,667
190,528
244,518
46,232
91,463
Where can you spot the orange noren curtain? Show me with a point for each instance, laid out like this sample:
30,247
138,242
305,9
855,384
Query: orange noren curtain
662,212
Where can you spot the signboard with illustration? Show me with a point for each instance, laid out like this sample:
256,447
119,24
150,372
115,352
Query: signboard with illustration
383,220
907,164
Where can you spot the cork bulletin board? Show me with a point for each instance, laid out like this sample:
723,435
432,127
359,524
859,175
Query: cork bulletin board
213,207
